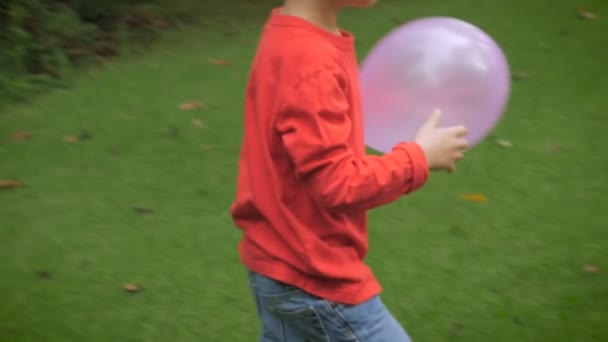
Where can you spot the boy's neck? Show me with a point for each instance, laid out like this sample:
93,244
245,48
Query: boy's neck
323,13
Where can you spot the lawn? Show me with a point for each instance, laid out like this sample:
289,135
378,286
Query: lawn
124,187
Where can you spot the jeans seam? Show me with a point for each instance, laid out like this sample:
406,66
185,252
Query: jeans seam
334,309
321,324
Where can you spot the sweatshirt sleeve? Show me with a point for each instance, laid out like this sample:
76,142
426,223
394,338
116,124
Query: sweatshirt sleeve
314,126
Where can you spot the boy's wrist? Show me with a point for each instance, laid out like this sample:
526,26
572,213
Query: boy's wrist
419,165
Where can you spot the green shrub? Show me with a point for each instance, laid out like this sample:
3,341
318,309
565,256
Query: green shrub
40,39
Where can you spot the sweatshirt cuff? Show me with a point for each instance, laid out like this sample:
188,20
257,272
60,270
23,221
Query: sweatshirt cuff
420,168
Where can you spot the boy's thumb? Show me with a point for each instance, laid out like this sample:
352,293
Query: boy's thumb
433,121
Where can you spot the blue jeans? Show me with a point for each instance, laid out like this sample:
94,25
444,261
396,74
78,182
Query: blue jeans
289,314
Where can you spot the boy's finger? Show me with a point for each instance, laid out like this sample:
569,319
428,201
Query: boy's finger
434,118
463,145
461,131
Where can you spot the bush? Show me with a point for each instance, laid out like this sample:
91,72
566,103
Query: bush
40,39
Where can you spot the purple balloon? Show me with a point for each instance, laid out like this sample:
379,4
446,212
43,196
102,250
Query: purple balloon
427,64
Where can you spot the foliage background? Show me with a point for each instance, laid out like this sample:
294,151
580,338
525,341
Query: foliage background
41,40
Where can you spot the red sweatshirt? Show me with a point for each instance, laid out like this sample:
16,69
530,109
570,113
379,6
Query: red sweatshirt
304,180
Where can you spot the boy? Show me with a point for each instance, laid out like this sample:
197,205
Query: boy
305,182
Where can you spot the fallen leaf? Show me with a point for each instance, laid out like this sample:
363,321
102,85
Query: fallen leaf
586,15
44,274
455,329
172,132
504,143
591,269
159,23
71,139
520,75
113,150
205,147
198,123
219,62
191,105
83,264
132,288
144,211
478,198
21,136
85,136
10,184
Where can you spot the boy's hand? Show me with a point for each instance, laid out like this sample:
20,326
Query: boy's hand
443,147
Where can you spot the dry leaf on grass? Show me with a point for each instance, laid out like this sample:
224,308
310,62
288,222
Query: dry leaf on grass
191,105
198,123
219,62
520,75
21,136
591,269
456,329
132,288
504,143
85,135
83,264
586,15
44,274
113,150
159,23
477,198
144,211
71,139
10,184
172,133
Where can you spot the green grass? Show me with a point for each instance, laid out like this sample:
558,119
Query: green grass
452,270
